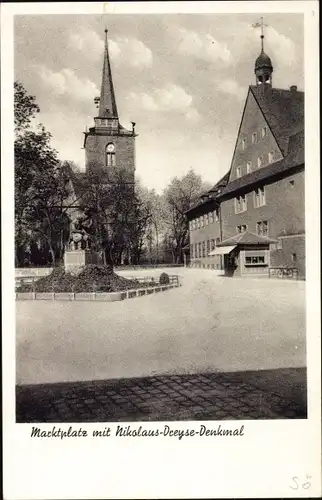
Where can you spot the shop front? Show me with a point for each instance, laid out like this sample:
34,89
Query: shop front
245,254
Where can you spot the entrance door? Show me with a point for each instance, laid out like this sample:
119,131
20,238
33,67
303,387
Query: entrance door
230,264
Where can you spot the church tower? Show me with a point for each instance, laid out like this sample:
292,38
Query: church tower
109,147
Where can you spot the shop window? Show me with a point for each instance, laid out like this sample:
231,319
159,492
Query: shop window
255,260
259,197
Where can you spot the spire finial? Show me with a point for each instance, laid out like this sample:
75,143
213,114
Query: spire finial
106,31
261,26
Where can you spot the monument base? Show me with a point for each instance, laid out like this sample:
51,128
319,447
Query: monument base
74,260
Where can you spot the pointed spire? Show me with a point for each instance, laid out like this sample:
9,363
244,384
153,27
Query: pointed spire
107,107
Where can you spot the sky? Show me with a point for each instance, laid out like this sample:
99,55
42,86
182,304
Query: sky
183,78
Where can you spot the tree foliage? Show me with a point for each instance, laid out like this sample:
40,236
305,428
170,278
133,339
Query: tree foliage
40,185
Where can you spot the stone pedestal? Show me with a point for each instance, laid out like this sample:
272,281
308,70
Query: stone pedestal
76,259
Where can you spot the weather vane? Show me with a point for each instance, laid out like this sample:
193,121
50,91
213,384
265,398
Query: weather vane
261,25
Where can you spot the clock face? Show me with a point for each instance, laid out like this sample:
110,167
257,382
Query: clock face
110,148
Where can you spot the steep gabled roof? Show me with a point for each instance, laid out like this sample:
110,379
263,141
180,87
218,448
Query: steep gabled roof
294,158
283,111
107,105
246,238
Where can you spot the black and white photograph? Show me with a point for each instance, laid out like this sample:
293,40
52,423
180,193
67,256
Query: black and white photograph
160,223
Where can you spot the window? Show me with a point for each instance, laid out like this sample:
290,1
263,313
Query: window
110,155
208,246
238,172
254,260
294,257
249,167
206,219
202,221
271,157
263,132
240,204
260,160
244,143
191,251
211,217
259,197
190,225
217,241
204,249
213,244
292,182
199,249
262,228
216,215
254,137
242,228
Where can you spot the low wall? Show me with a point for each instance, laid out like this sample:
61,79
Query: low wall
97,296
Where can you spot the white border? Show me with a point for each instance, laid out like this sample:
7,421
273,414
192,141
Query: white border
262,463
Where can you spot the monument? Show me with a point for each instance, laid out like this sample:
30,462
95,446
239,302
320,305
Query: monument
78,252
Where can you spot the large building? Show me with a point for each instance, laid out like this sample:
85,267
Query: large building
253,219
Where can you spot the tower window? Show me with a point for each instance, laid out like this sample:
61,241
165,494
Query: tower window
292,182
254,137
244,143
238,172
110,155
270,156
249,167
259,161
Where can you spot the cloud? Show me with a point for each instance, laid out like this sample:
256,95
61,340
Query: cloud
88,42
202,46
130,51
232,87
123,50
168,99
283,46
66,82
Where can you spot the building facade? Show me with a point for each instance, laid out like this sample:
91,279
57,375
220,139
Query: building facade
260,202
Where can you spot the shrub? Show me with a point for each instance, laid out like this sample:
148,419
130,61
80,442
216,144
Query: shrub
164,279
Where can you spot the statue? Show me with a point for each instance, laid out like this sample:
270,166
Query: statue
79,239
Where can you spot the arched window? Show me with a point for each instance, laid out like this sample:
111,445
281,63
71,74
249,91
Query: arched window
110,155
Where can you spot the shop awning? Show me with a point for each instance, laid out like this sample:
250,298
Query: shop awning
222,250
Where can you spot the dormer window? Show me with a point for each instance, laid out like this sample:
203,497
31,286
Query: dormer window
254,137
110,155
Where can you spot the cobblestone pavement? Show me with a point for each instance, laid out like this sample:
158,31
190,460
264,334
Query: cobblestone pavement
269,394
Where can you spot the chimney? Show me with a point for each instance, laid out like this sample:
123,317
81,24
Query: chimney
293,88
